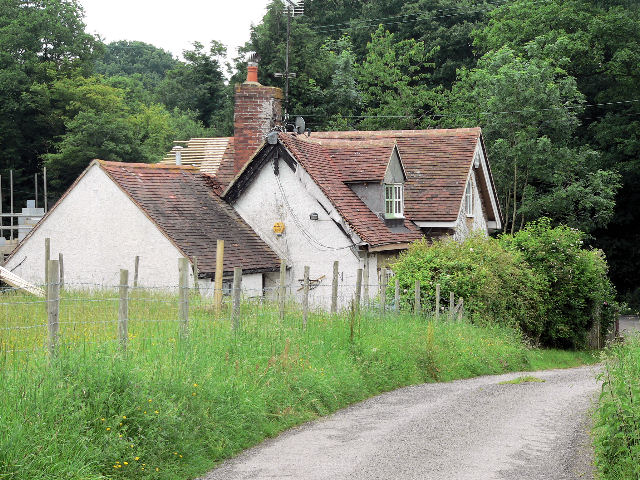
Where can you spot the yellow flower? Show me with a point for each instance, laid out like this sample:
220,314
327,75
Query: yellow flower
193,394
149,400
120,435
195,384
102,419
157,469
180,456
145,412
124,416
175,453
137,458
132,445
126,463
108,428
157,412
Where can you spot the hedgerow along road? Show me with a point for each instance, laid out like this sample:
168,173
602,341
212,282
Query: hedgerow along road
476,429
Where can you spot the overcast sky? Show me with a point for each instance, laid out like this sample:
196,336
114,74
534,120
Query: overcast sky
173,26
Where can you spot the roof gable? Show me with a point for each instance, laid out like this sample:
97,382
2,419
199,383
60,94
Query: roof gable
182,203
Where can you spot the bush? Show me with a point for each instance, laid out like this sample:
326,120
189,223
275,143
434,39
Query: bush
579,289
496,283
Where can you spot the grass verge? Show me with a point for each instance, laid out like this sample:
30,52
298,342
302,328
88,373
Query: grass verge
617,418
171,408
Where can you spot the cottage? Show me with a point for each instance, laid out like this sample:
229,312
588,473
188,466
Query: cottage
117,211
358,198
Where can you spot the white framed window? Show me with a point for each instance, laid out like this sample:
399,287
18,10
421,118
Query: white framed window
468,199
394,200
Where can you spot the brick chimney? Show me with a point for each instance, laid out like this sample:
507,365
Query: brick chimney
257,109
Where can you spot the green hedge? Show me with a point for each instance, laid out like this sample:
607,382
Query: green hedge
541,279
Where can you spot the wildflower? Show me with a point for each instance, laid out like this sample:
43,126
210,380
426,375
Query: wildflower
132,445
145,412
175,453
157,469
124,416
180,456
195,384
126,463
108,428
149,400
156,412
137,458
193,394
102,419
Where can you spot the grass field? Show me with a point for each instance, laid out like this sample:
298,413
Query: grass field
172,407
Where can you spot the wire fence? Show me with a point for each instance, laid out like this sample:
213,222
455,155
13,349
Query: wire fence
120,317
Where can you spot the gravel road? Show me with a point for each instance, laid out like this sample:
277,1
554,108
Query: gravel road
471,429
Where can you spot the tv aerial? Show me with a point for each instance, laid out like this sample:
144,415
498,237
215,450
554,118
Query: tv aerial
294,8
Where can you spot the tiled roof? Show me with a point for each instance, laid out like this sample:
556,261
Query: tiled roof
436,163
182,202
326,169
206,154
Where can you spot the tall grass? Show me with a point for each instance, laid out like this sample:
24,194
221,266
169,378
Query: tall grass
171,408
617,430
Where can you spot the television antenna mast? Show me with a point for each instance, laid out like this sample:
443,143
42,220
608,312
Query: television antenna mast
293,9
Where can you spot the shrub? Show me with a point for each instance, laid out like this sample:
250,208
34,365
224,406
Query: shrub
579,289
496,284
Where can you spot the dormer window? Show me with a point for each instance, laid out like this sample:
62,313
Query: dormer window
393,200
468,199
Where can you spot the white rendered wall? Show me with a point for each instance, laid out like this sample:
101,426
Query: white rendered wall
478,223
262,204
251,285
99,230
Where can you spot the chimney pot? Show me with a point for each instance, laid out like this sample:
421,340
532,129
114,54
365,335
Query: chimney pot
178,150
252,73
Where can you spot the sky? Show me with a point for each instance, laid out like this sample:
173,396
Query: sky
173,26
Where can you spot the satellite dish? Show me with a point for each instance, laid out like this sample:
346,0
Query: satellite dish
301,125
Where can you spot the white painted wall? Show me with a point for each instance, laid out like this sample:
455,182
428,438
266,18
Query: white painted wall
478,223
262,204
251,285
99,230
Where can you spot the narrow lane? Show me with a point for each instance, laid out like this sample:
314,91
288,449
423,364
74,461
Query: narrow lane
468,430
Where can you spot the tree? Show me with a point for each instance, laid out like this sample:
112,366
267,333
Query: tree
198,85
597,43
391,78
141,60
529,113
41,41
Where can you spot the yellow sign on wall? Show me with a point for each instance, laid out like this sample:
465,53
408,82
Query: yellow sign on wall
278,227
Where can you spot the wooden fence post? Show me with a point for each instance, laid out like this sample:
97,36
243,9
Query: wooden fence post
305,297
396,295
136,266
451,305
437,301
460,309
217,284
383,291
196,274
281,292
334,288
236,293
183,287
416,301
47,257
53,304
123,310
358,289
61,262
365,280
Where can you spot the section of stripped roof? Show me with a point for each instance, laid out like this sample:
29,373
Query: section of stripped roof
436,162
326,172
206,154
181,201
